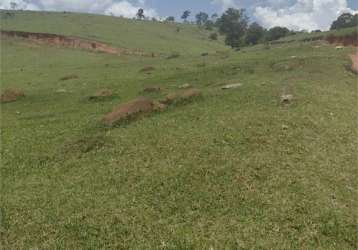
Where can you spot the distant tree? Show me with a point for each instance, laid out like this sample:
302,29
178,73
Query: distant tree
13,5
233,24
254,34
214,17
170,19
154,19
276,33
345,20
201,18
140,14
185,15
209,25
213,36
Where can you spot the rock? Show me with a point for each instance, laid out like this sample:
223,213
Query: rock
131,110
286,99
231,86
185,86
152,89
61,91
182,96
339,47
11,95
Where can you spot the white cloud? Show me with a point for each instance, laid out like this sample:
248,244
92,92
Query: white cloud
125,8
225,4
303,14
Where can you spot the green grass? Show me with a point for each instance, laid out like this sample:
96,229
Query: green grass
235,169
123,33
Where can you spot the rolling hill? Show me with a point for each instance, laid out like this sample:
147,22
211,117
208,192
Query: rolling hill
270,164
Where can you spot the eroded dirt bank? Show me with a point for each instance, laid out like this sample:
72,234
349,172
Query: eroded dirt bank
347,40
72,42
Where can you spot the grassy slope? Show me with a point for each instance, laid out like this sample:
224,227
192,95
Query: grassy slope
221,172
151,36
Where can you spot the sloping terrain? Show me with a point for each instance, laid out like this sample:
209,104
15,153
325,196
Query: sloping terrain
270,164
119,32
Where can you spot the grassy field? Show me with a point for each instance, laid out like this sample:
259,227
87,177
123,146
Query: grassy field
233,170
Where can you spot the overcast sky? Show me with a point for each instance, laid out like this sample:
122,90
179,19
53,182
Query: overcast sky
294,14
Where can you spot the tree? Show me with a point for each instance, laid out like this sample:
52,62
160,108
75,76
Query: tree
170,19
140,14
254,34
213,36
185,15
276,33
233,24
209,25
13,5
346,20
201,18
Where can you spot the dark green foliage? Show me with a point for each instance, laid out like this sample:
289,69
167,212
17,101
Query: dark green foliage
276,33
201,18
233,24
140,14
185,15
213,36
170,19
254,34
345,20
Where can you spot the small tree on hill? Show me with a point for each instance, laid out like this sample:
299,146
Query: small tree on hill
185,15
276,33
201,18
254,34
233,24
170,19
140,14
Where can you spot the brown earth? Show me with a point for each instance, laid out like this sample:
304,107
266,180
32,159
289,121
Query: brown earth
348,40
11,95
354,58
132,109
72,42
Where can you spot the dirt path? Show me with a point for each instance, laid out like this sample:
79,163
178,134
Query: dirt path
354,58
72,42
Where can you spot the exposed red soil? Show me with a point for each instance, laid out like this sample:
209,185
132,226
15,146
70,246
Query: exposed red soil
11,95
354,58
132,109
72,42
348,40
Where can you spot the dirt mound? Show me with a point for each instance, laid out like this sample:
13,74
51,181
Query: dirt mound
347,40
354,58
132,109
11,95
180,97
102,94
72,42
147,69
69,77
152,89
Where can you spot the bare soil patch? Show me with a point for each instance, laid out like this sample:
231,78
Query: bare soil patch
132,109
354,58
72,42
11,95
348,40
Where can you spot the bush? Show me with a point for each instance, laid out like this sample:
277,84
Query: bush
213,36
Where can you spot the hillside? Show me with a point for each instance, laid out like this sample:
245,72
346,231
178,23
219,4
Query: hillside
120,32
270,164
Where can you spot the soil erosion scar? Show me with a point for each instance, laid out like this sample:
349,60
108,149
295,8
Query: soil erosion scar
72,42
